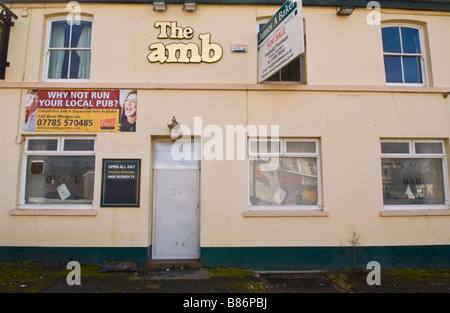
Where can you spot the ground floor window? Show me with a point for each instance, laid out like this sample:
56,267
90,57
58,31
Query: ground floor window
414,172
284,174
58,172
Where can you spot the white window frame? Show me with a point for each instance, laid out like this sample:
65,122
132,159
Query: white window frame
59,151
268,143
413,155
284,154
421,55
48,49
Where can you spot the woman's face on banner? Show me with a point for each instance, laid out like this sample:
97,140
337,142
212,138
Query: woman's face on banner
31,101
131,105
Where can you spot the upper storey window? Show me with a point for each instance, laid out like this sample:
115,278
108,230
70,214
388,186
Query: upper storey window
292,72
68,50
403,52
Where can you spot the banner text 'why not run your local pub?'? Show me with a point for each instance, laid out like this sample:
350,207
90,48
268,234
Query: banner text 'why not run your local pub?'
80,110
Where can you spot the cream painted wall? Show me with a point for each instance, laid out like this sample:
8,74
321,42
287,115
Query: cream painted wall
121,37
349,124
339,50
342,49
349,133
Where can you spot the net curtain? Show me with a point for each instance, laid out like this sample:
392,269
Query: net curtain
69,57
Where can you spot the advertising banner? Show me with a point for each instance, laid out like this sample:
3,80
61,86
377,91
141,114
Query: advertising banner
80,110
281,40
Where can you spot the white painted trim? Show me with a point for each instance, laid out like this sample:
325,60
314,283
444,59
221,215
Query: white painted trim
283,154
24,206
415,207
285,213
53,212
422,55
414,155
47,51
55,207
425,212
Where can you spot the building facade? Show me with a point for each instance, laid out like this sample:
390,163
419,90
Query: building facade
338,158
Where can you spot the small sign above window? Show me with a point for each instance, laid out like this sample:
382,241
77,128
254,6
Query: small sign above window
239,48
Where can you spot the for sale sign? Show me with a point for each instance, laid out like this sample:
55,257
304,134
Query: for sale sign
281,40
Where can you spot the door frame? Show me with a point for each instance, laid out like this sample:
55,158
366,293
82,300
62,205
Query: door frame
154,192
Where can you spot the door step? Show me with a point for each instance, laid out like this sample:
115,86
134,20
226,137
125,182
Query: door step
174,263
118,266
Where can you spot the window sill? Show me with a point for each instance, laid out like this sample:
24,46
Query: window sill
66,80
285,213
429,212
284,82
406,84
53,212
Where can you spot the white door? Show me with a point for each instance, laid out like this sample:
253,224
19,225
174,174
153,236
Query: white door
176,216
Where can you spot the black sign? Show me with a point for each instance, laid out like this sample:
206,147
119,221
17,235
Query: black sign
6,16
120,184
